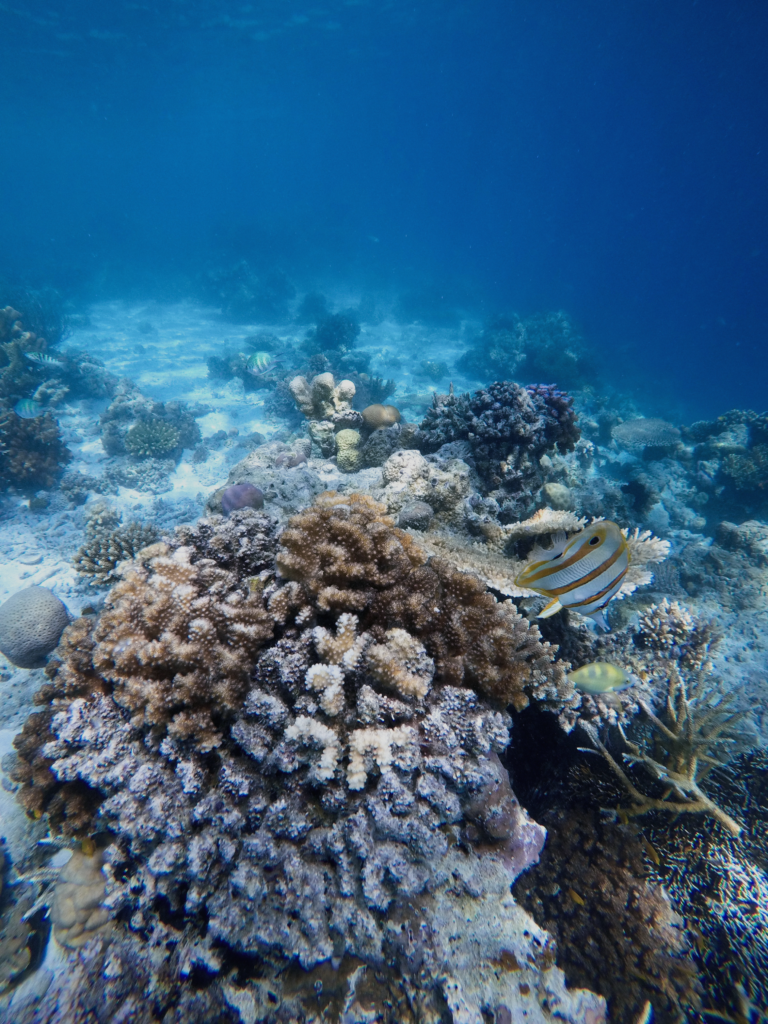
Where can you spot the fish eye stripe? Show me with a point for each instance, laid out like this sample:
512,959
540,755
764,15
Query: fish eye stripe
533,573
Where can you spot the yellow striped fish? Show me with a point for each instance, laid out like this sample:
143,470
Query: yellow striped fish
583,572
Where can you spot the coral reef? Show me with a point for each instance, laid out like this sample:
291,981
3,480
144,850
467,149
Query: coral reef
31,623
32,452
296,767
146,428
719,883
348,454
509,429
349,557
244,293
322,397
15,932
498,568
335,332
653,437
615,929
77,914
377,416
108,544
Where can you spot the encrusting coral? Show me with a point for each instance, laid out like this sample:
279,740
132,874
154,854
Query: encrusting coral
293,762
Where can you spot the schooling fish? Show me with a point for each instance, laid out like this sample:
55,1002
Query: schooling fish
582,573
260,363
600,677
44,360
27,409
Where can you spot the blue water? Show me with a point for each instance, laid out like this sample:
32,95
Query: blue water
607,159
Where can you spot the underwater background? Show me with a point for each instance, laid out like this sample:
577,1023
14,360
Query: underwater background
384,513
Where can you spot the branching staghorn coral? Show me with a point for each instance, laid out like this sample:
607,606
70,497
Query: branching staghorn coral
691,736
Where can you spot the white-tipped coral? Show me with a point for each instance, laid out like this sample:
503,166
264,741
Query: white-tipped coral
377,743
346,647
311,733
328,680
401,664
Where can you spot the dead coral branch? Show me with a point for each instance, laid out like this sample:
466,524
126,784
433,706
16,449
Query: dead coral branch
690,739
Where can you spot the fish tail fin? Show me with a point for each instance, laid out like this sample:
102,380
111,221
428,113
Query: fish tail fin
552,608
600,619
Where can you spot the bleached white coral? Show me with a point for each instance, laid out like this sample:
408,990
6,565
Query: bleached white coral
328,680
644,549
402,664
379,743
309,732
346,647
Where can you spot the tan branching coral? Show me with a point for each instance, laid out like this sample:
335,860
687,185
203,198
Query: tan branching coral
108,543
401,664
343,649
349,557
691,736
178,641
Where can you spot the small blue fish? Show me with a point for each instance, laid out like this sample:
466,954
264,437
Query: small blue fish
583,573
260,363
27,409
44,360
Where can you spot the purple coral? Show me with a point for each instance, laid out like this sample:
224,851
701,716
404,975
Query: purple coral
241,496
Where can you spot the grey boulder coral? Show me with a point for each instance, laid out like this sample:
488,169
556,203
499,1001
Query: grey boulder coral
31,623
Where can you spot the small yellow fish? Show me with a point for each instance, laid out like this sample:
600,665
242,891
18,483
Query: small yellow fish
576,898
600,677
584,572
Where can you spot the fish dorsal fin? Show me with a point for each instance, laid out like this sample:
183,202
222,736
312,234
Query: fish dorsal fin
559,540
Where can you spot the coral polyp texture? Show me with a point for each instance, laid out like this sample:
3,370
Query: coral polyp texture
509,429
288,753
